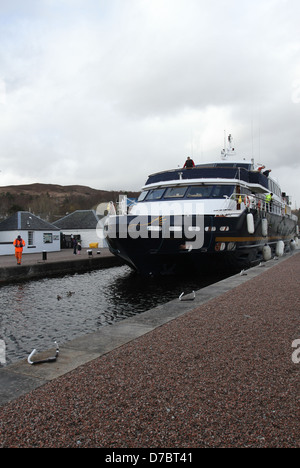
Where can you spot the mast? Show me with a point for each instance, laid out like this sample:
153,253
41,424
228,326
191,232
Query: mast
229,149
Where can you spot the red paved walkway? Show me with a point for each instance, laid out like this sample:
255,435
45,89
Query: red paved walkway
219,376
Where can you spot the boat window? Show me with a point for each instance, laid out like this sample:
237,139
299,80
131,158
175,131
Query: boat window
210,191
142,196
175,192
155,194
274,187
195,191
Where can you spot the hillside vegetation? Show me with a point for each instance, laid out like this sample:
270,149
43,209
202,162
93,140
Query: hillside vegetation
51,202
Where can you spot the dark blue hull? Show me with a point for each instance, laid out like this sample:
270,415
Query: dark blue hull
227,245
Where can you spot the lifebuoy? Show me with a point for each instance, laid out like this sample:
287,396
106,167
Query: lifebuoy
247,201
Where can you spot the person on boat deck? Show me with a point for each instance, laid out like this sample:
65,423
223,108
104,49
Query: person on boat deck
266,173
19,244
189,163
269,201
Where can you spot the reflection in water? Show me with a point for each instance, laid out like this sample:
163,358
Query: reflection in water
31,316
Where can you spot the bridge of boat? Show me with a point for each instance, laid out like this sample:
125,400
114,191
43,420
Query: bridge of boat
207,172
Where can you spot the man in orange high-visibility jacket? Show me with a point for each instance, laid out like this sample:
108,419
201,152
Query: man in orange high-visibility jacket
19,243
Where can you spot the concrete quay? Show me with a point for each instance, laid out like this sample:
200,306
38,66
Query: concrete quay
215,372
57,263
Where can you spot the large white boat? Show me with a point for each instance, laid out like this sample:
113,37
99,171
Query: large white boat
228,214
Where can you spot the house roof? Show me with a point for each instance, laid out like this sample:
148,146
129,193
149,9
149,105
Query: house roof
80,219
25,221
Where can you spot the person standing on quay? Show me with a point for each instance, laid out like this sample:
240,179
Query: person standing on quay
74,245
19,244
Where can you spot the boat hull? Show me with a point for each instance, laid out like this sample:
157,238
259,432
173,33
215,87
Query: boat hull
226,243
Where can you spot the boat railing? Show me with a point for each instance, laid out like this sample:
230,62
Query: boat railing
238,201
202,172
259,202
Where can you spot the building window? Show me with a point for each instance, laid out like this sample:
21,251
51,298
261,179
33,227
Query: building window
30,238
48,238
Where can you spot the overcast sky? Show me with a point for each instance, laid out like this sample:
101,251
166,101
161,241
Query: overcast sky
104,92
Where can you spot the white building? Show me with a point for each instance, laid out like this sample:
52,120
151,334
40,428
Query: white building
83,224
38,235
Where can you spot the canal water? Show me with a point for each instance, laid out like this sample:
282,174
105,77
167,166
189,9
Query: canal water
34,314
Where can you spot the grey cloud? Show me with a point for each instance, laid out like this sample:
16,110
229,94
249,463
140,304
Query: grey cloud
131,87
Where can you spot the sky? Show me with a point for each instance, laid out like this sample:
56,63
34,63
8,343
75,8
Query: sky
105,92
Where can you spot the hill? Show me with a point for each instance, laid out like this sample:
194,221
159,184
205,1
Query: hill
51,202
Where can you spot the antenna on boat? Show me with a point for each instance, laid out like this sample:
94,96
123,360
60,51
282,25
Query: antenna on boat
228,148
